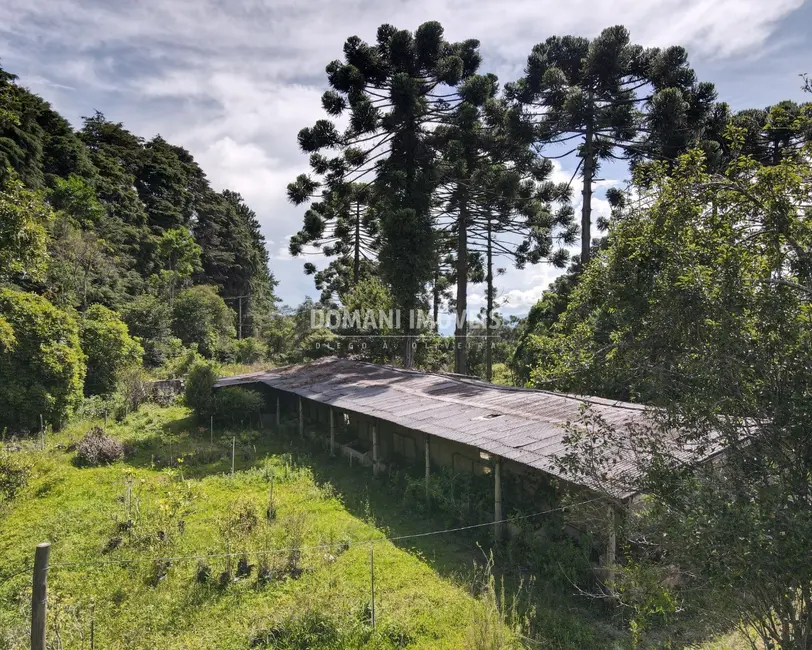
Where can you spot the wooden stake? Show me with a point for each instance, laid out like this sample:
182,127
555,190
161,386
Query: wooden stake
233,446
278,414
92,623
301,419
497,499
211,430
372,581
39,596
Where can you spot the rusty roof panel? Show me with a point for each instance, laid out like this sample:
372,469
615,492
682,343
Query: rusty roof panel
523,425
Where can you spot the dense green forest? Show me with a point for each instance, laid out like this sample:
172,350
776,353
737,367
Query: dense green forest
428,176
115,250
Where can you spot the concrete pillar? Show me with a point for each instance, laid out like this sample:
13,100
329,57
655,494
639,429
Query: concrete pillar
428,468
497,499
332,433
374,449
278,414
301,419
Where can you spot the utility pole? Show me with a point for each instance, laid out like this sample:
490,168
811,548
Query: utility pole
239,300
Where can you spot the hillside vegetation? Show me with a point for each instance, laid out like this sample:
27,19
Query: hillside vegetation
173,496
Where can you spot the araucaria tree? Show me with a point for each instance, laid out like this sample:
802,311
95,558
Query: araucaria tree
496,199
608,98
345,228
396,91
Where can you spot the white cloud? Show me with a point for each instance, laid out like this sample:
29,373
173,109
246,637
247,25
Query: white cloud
233,82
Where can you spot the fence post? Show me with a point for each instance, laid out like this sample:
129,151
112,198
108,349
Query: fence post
611,549
211,430
92,624
372,581
301,419
233,445
39,596
278,415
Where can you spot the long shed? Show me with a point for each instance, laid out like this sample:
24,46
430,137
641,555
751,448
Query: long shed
439,419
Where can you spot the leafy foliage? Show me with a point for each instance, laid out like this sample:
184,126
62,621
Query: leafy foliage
199,395
14,475
108,347
201,317
104,216
43,372
24,217
237,405
702,304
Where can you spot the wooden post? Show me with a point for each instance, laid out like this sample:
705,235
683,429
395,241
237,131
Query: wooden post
374,449
39,596
497,499
233,447
332,433
92,623
301,419
211,430
278,414
428,469
611,548
372,582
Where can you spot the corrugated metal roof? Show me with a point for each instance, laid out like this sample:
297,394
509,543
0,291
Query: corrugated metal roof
523,425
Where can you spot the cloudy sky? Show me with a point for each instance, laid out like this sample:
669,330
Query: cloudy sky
234,81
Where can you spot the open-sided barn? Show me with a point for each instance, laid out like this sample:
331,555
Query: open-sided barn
382,415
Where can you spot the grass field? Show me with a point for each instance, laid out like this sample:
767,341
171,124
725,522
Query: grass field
237,578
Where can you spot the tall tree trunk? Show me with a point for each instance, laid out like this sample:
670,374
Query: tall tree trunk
586,207
461,326
489,303
356,264
435,298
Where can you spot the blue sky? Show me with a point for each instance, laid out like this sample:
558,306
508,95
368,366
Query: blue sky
234,82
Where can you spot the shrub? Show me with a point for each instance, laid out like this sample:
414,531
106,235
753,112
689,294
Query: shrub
13,476
199,395
181,361
238,404
150,320
133,388
43,370
250,350
201,316
97,448
109,348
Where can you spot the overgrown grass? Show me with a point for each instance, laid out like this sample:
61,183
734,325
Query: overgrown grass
174,497
165,549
